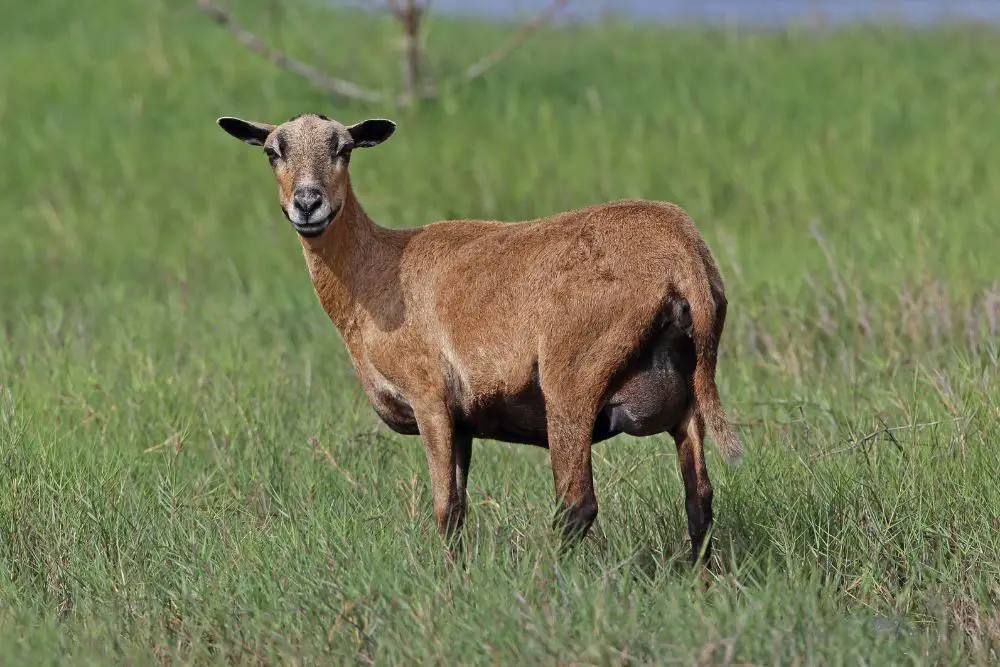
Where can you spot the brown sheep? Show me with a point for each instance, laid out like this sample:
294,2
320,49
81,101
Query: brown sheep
558,332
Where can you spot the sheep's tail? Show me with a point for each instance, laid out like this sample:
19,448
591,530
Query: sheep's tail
708,317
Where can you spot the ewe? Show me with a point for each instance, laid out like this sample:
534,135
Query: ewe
558,332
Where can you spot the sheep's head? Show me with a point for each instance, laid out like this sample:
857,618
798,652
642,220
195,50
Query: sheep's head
309,155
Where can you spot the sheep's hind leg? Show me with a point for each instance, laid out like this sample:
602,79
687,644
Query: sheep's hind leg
689,437
462,447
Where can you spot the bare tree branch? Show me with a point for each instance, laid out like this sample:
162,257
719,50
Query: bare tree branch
487,62
316,77
484,64
409,14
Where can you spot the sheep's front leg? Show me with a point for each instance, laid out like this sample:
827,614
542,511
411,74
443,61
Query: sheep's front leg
569,437
448,456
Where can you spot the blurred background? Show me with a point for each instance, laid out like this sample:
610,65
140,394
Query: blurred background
189,472
744,12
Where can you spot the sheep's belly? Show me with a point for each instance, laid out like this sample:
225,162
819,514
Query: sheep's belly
650,396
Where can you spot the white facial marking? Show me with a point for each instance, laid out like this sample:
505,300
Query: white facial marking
316,219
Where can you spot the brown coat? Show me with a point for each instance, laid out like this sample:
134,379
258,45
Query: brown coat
558,332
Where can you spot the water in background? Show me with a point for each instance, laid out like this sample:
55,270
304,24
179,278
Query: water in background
740,11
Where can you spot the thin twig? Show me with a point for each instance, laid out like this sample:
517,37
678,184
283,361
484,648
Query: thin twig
484,64
855,444
890,436
256,44
885,431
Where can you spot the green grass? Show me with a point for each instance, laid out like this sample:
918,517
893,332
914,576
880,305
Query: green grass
190,473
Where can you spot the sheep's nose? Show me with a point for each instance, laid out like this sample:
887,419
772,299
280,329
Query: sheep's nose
307,199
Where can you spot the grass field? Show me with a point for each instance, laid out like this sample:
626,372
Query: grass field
190,474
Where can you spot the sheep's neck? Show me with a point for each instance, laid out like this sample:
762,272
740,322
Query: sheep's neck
348,262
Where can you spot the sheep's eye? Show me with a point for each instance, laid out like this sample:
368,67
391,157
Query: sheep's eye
272,154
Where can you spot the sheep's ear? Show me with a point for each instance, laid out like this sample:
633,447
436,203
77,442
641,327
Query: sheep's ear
371,132
246,131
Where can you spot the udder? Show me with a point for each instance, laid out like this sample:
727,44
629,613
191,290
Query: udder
655,394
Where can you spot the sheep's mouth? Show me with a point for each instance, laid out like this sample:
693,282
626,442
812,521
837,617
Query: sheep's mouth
311,230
